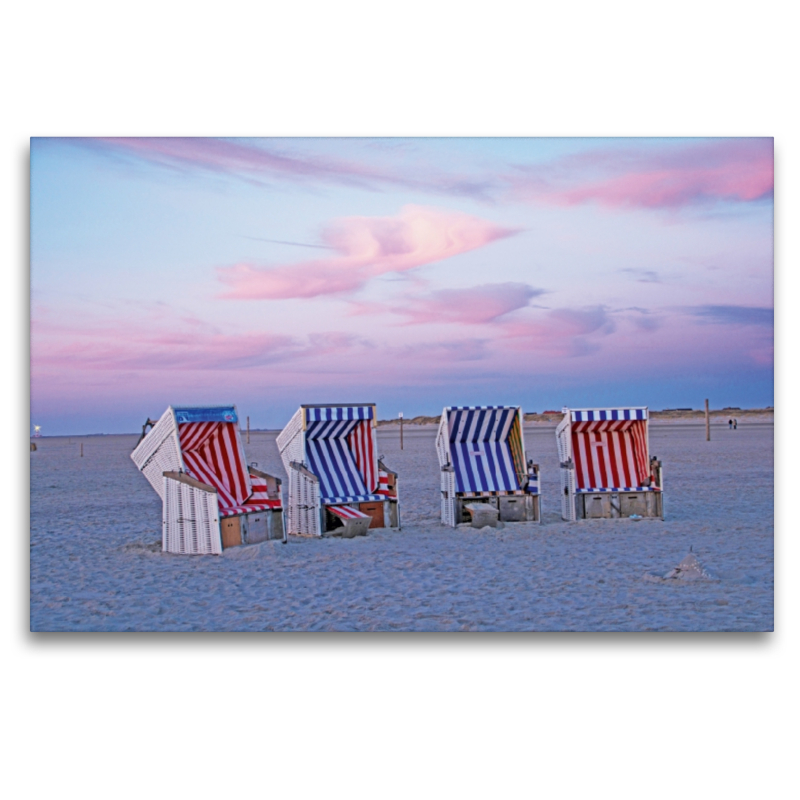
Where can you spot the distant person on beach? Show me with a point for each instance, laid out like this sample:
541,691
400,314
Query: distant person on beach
730,424
735,423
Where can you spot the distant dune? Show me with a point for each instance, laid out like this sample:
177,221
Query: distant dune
666,415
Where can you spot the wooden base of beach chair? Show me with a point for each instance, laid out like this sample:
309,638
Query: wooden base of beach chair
263,526
375,512
520,508
231,530
619,505
509,508
384,513
353,522
253,528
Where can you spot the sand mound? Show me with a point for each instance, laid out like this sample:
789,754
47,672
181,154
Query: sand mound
690,569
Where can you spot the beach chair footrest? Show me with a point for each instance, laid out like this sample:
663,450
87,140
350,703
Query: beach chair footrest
353,521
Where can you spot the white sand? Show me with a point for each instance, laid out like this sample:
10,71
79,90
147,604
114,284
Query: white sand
96,562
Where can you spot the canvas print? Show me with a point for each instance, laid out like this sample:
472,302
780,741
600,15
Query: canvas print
412,384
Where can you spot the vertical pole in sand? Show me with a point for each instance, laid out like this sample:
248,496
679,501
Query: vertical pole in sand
401,429
248,430
708,426
81,449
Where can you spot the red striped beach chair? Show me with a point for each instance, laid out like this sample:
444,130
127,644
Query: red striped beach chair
337,484
606,466
481,453
194,459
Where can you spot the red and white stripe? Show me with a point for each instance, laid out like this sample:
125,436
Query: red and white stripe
610,454
249,508
363,446
345,512
212,454
383,484
260,491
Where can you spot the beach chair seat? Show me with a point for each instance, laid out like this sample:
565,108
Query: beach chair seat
606,468
481,454
331,459
194,459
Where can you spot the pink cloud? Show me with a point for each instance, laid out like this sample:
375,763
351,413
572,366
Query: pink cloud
476,305
95,346
736,170
153,340
367,247
118,348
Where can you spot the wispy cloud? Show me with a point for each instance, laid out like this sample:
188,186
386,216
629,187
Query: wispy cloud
265,160
119,347
282,241
734,315
643,275
736,170
475,305
636,175
643,319
562,331
157,341
367,247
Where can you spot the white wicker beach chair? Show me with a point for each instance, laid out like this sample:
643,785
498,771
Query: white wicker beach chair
337,484
481,453
606,466
194,459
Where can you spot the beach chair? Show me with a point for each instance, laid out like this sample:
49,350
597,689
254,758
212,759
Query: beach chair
606,466
481,453
194,459
337,484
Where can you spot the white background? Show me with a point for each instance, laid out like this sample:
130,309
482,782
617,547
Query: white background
396,715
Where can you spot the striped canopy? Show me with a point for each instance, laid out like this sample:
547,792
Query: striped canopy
212,453
328,413
486,448
341,451
603,414
609,448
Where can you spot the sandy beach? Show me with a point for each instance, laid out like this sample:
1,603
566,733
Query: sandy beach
96,561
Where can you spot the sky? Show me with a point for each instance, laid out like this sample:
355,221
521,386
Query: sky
412,273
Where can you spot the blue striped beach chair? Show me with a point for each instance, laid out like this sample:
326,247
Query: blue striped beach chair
337,484
481,453
606,467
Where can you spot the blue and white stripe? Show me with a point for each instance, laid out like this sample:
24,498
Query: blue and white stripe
330,430
479,449
356,498
330,460
331,413
607,414
475,408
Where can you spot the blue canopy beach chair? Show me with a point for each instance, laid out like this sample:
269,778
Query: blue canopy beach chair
337,484
482,459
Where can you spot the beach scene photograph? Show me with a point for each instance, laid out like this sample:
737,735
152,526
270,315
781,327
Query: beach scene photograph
401,384
400,391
